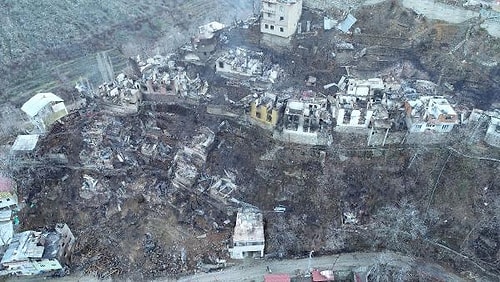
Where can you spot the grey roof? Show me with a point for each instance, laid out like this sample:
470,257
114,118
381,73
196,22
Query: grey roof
6,228
23,246
38,102
346,24
25,143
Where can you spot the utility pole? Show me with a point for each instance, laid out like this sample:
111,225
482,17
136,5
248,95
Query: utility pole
309,262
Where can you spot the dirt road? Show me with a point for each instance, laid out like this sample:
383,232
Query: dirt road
254,270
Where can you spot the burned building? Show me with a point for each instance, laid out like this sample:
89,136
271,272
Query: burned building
266,109
430,113
248,66
44,109
248,237
189,160
240,63
8,194
280,17
306,120
354,104
205,42
33,252
492,136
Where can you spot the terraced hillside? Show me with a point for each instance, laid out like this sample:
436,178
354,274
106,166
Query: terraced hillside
37,37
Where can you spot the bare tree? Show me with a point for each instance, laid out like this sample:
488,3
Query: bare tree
397,225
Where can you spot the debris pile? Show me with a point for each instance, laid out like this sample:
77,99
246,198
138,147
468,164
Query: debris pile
249,68
189,160
33,252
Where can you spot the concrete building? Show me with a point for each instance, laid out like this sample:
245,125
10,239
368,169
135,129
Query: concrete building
25,143
353,90
306,120
305,116
8,194
248,237
6,227
492,136
240,62
354,115
280,17
32,252
205,42
430,113
44,109
265,109
8,203
247,67
353,106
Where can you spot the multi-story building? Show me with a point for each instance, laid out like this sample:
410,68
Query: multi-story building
265,109
44,109
280,17
354,106
33,253
430,113
492,136
248,237
306,120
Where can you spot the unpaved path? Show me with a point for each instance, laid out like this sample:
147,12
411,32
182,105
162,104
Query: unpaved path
440,11
254,270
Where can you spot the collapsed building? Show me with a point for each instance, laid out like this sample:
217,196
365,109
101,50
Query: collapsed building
44,109
156,77
492,136
248,238
248,66
8,204
8,194
280,17
34,252
190,159
430,113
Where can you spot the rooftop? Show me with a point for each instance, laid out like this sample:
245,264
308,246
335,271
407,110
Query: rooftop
33,106
438,106
277,278
25,143
282,1
249,227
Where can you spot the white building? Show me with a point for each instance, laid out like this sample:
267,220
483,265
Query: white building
354,104
6,227
493,133
430,113
280,17
25,143
44,109
248,237
306,116
240,62
32,253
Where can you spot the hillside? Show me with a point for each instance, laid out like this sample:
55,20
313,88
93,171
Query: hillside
36,38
